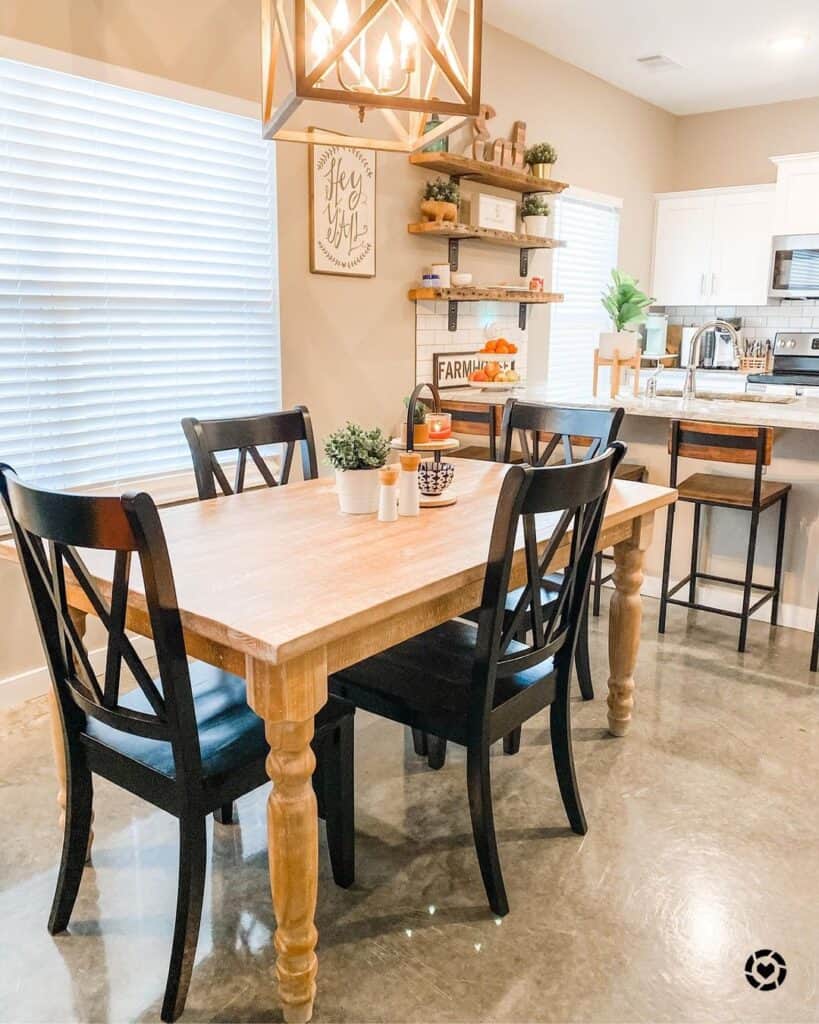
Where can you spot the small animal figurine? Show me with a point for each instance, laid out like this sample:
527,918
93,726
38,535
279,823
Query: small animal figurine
480,133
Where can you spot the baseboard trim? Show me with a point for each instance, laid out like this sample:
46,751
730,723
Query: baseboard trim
25,686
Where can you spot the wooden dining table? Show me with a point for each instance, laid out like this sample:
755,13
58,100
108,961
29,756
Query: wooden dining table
277,586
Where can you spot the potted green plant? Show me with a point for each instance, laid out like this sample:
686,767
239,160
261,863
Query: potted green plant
356,455
420,430
440,201
541,158
626,304
534,212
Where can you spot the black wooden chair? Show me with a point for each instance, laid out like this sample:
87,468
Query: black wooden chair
187,742
474,684
244,435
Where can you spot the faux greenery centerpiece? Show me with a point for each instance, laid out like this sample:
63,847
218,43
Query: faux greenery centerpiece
626,304
356,455
540,158
440,200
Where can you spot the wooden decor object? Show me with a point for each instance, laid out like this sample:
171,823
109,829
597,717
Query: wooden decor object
310,54
616,364
342,211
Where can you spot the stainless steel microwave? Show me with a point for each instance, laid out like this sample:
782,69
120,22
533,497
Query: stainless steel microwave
794,267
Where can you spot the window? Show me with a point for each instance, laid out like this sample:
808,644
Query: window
138,279
582,271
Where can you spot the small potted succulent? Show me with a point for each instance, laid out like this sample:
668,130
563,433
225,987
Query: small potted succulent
356,455
541,158
440,202
626,304
420,430
534,212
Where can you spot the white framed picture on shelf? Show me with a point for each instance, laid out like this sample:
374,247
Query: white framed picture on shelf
342,210
497,212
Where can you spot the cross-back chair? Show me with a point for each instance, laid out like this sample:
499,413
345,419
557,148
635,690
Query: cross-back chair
244,435
472,684
186,741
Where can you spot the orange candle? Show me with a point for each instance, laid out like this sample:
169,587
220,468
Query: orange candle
440,425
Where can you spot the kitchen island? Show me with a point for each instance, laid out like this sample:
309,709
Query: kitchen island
725,534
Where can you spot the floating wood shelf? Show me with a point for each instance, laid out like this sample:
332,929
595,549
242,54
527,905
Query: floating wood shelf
457,233
454,296
484,173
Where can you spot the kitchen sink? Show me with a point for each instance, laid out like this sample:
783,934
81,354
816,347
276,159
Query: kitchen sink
730,396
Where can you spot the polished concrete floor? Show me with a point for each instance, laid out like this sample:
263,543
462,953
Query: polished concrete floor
703,847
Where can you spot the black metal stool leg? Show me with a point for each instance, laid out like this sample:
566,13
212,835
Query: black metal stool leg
695,552
814,654
780,550
749,576
669,537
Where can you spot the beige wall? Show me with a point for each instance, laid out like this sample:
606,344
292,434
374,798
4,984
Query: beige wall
733,147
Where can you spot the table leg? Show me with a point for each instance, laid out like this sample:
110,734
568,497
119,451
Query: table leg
625,617
287,697
79,619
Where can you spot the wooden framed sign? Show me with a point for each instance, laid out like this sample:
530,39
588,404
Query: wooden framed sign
452,369
342,210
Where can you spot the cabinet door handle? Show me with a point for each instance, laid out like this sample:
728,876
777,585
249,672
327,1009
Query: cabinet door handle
702,284
713,284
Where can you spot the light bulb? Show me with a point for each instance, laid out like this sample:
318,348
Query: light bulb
386,59
320,43
407,38
340,20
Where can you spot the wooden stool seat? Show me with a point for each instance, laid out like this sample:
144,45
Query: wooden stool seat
732,491
475,451
631,471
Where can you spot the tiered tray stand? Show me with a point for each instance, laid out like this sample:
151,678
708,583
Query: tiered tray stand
437,448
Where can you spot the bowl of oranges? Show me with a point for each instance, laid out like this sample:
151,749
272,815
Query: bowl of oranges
497,373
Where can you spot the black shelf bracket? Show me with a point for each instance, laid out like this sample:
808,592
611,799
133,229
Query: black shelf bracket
454,250
522,307
524,262
452,321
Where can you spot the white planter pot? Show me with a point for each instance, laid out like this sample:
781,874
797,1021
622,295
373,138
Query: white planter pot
357,490
536,226
623,342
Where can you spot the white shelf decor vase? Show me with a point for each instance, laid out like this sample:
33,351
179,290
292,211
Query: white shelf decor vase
624,343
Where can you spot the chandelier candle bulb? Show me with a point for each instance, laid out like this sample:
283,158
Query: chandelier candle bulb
409,501
440,425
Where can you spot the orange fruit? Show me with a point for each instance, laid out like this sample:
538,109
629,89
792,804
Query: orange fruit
512,347
502,347
478,376
490,346
491,370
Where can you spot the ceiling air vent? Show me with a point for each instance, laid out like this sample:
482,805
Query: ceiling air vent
658,62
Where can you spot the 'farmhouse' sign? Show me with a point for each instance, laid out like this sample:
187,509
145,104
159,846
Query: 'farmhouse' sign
452,369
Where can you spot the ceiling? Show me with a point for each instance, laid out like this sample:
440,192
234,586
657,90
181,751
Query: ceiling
723,46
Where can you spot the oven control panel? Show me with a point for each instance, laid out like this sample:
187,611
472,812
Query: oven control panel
797,343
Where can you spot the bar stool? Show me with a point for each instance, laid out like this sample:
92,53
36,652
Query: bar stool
727,443
625,471
480,420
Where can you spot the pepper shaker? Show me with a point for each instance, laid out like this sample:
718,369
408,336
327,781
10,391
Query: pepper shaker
408,500
388,494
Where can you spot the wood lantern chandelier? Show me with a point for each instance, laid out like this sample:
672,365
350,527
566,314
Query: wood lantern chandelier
399,58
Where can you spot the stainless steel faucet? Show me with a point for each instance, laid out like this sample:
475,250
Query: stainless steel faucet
690,385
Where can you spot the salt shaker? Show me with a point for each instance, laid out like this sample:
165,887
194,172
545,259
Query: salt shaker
408,501
388,494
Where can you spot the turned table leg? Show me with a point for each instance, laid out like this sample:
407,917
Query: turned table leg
287,697
625,617
79,619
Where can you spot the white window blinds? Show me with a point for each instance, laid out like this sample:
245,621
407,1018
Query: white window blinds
138,276
581,272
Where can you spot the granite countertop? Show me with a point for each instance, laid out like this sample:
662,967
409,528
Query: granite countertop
802,414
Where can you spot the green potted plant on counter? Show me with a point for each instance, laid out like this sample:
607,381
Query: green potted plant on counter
356,455
420,430
541,158
440,202
626,304
534,212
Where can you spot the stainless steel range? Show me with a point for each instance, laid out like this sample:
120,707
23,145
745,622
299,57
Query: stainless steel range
795,360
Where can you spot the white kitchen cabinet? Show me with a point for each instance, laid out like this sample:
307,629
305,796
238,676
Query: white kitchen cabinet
712,247
797,194
682,249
